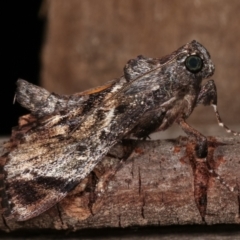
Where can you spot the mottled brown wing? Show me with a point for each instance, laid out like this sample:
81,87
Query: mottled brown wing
64,137
47,163
41,147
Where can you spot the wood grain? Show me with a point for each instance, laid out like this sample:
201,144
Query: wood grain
154,187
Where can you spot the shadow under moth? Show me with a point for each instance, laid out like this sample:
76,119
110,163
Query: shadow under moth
64,137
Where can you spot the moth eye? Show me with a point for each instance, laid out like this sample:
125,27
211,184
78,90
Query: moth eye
194,64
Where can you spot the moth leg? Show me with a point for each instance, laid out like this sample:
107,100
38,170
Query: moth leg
200,166
201,147
208,96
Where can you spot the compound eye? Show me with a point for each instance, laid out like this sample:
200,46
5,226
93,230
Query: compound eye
194,63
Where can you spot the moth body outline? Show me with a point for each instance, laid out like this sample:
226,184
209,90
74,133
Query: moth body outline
63,138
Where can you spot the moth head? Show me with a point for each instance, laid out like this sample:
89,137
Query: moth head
198,60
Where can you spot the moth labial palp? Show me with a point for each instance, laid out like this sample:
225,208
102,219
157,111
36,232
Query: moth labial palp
208,96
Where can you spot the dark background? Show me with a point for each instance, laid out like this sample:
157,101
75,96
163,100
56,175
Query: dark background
23,36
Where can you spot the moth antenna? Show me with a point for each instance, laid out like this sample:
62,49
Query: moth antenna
221,180
221,124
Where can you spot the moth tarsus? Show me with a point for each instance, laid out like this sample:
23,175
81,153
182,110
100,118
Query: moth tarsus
64,137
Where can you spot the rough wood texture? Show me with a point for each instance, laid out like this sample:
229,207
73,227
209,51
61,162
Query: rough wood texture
153,187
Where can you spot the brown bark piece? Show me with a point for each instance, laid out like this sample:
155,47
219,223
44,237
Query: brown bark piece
153,187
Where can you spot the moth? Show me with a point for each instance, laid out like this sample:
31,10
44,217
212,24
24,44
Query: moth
63,138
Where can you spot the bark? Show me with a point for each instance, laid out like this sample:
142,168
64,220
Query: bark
153,187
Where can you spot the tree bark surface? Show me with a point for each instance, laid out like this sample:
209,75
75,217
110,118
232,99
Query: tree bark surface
154,186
